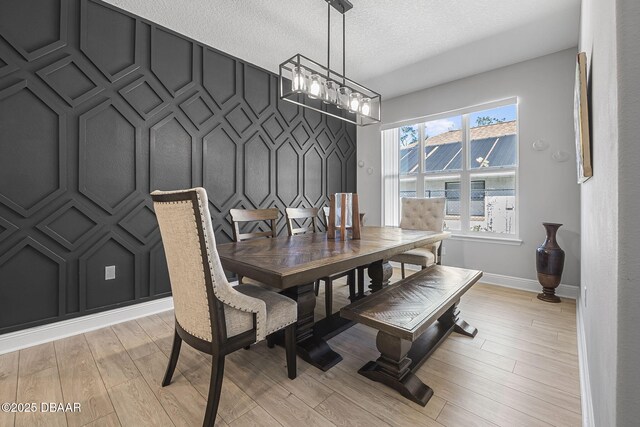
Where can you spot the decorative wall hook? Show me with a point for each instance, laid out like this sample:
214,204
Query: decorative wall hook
560,156
540,145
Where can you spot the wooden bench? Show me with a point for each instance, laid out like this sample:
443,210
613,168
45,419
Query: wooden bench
413,317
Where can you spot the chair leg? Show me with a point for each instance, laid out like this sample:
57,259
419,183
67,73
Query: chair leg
402,269
424,267
240,279
173,359
360,282
271,341
328,297
290,347
248,347
316,287
215,387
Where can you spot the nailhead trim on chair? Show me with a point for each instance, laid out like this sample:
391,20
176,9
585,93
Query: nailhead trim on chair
202,270
259,324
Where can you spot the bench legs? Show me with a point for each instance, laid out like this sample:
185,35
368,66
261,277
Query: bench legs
392,369
452,317
399,358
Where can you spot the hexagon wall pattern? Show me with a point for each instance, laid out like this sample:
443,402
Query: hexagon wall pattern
99,107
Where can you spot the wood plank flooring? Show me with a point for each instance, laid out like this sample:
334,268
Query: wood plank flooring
521,369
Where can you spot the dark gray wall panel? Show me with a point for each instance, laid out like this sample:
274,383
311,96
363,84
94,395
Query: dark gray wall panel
99,107
39,293
313,174
219,76
107,143
172,60
108,38
334,173
220,156
287,164
71,80
111,250
171,149
257,91
144,97
160,283
33,139
34,27
257,170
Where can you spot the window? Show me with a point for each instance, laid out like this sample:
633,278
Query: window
470,159
452,194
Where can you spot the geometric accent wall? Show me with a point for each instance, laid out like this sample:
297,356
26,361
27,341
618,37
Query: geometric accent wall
98,108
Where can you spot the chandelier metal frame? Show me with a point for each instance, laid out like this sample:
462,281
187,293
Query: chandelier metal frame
305,82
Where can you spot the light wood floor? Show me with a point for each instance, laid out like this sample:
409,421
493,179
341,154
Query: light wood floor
521,369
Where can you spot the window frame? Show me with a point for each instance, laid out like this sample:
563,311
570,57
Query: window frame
465,175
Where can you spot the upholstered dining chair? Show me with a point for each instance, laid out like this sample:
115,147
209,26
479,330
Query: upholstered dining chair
240,216
421,214
211,314
296,218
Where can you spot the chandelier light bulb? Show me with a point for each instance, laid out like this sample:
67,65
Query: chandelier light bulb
315,86
298,79
365,106
354,102
343,97
330,93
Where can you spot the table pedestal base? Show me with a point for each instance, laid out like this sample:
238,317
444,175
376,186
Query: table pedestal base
310,338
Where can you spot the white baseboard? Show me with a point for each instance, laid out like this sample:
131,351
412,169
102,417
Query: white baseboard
41,334
585,384
564,290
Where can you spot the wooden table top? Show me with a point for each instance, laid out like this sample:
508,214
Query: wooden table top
286,261
407,308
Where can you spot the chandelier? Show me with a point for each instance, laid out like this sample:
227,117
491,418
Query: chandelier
303,81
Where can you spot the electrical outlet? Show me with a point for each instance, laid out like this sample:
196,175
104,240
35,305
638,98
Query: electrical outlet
110,272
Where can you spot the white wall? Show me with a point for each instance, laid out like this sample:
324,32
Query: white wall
599,197
610,36
547,189
628,29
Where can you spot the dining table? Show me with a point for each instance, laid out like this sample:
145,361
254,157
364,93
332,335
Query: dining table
293,263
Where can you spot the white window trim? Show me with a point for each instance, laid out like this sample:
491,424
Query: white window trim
491,238
456,112
465,174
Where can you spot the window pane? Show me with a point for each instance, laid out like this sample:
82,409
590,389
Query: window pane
448,187
493,202
476,207
409,149
493,138
407,187
443,145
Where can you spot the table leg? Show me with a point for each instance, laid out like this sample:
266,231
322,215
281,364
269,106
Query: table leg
392,369
311,347
379,272
361,281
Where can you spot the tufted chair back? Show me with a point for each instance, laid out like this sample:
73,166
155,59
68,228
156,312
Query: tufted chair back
422,214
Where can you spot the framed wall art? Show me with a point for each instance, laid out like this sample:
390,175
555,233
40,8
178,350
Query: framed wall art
581,121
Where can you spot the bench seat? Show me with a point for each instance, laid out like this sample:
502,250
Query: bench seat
413,317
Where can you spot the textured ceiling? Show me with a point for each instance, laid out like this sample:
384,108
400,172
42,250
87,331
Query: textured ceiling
394,47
